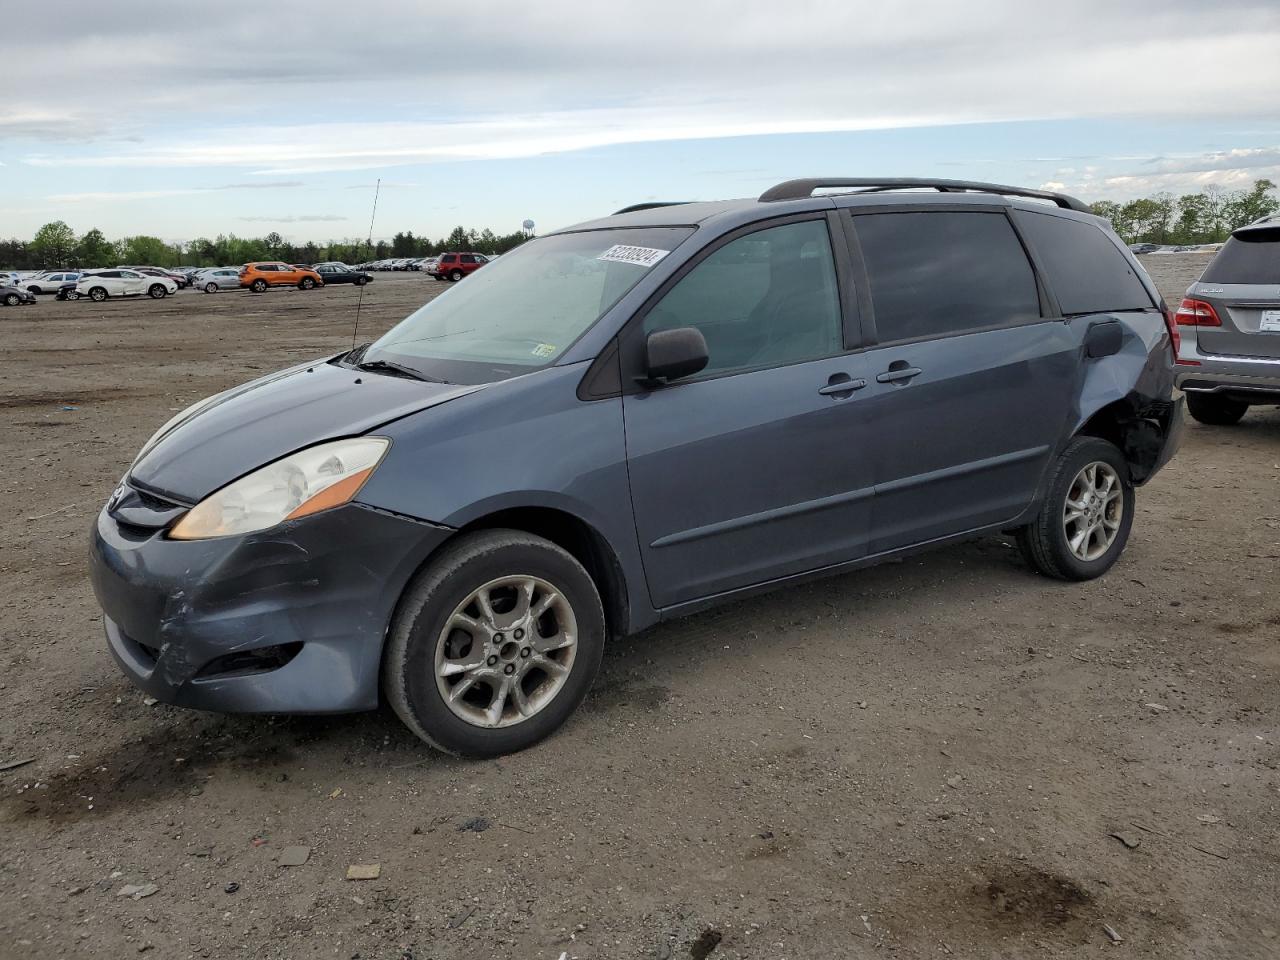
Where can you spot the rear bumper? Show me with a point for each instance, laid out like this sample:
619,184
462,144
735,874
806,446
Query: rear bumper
1174,429
288,620
1260,383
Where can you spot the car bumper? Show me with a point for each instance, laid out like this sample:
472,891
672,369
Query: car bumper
1175,426
1250,379
287,620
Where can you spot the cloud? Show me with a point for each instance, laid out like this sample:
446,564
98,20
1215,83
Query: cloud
521,85
312,218
259,185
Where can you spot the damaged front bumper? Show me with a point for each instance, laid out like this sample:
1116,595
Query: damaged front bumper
286,620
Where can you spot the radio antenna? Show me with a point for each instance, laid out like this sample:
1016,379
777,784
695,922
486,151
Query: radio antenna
368,247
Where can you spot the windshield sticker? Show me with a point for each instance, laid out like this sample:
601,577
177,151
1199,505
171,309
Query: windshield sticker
640,256
544,350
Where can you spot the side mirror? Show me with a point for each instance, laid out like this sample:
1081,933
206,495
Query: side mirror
672,354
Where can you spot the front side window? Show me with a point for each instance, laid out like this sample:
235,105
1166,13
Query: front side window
942,274
527,310
765,299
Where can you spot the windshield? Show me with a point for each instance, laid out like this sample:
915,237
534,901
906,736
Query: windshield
523,310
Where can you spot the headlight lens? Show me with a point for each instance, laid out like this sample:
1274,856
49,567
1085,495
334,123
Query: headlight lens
315,479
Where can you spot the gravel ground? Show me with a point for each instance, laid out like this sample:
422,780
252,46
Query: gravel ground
946,756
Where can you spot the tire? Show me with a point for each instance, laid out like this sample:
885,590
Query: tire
455,276
12,299
258,286
418,643
98,294
73,294
306,283
361,281
1216,411
157,291
36,290
210,287
1045,543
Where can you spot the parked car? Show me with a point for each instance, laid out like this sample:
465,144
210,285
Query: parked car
738,396
1144,247
13,296
337,272
101,284
1229,358
455,266
181,279
50,282
67,292
217,278
258,276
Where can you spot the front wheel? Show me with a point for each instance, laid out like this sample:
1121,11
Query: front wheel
306,283
1084,522
494,644
1216,411
157,291
210,287
12,299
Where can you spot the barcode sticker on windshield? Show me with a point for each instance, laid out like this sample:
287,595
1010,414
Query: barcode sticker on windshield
640,256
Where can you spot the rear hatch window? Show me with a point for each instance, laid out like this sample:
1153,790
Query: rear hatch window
1250,256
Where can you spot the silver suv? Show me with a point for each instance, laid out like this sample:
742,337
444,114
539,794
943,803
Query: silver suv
1229,358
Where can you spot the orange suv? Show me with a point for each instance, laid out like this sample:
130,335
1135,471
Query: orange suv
258,276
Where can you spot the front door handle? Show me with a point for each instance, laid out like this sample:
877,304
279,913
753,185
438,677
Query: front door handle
841,385
898,372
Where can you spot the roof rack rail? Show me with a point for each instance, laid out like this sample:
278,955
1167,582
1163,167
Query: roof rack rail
649,206
799,189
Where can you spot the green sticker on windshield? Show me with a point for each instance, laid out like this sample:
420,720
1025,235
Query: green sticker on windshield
544,350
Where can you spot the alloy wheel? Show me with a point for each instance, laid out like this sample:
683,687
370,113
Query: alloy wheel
506,651
1093,511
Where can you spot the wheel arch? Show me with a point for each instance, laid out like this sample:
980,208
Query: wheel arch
1138,429
583,541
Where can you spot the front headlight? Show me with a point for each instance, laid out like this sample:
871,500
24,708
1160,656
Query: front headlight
311,480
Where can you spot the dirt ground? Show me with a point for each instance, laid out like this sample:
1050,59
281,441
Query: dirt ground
931,758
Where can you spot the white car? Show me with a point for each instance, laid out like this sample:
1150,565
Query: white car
217,278
123,283
50,282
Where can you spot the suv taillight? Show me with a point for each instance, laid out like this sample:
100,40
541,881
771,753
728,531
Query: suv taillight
1197,313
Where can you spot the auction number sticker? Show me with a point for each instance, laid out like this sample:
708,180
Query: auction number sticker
640,256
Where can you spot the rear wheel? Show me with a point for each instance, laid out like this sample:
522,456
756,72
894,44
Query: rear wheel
306,283
12,299
1214,410
98,294
1084,522
258,285
455,276
494,645
157,291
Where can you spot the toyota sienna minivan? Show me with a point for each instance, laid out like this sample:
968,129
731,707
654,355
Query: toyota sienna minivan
630,420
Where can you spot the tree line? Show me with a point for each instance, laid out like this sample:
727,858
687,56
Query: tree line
1205,217
57,245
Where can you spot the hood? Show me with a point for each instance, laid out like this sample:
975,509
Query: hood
252,425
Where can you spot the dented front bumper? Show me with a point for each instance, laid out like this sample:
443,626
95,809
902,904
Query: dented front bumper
287,620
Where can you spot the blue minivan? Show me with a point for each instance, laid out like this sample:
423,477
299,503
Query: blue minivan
629,420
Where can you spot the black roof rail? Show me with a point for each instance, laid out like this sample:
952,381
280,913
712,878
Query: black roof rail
799,189
649,206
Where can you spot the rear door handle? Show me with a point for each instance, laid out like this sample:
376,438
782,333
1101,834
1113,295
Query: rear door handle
841,385
898,374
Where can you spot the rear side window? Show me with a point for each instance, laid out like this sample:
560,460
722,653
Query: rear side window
1087,271
941,274
1250,256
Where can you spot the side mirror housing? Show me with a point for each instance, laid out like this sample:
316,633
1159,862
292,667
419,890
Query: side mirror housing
672,354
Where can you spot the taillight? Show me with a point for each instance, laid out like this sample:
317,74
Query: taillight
1175,338
1197,313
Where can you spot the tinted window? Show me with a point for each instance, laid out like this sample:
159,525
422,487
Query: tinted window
468,258
938,274
1250,256
762,300
1086,270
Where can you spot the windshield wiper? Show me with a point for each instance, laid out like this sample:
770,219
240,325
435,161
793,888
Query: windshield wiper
397,369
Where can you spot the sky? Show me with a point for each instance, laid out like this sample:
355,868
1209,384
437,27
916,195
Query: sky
149,118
